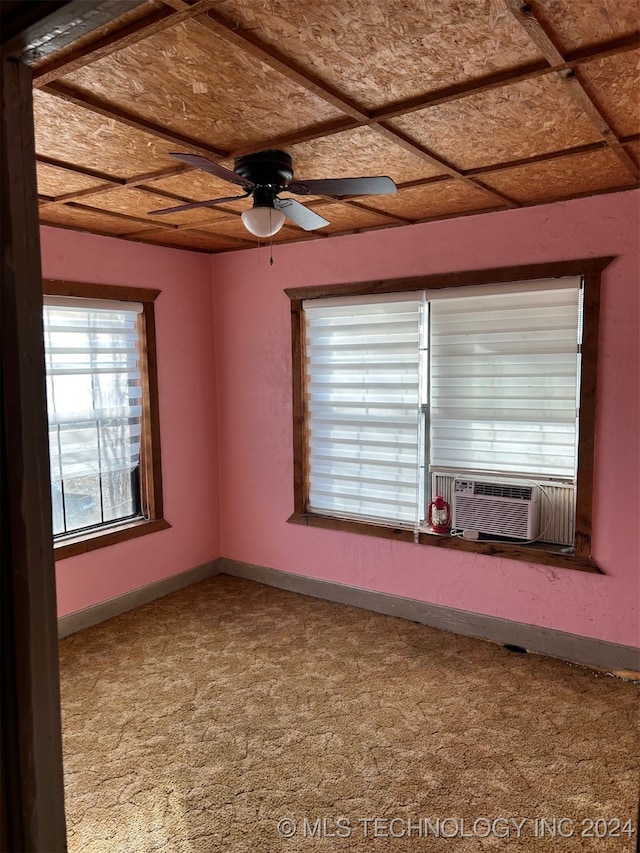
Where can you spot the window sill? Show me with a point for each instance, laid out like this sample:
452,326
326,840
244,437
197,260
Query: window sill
71,546
547,555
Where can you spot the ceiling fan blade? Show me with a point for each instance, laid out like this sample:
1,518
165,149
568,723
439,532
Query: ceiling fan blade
195,204
213,168
298,213
344,186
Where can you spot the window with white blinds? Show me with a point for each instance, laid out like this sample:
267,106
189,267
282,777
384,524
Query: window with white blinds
363,406
504,370
94,400
492,369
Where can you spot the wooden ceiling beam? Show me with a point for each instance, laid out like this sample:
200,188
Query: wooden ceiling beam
409,144
249,43
113,213
582,97
136,235
169,172
506,200
506,78
139,235
461,90
111,111
537,158
178,5
404,141
156,175
61,199
603,49
78,170
400,220
117,40
320,131
523,12
90,229
214,21
544,41
109,182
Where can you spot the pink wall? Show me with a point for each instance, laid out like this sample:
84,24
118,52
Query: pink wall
252,342
186,381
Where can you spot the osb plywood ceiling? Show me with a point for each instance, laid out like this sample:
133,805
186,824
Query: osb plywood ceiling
469,106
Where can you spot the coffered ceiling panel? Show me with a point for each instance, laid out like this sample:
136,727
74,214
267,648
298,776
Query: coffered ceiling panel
362,151
194,239
467,107
444,198
348,217
578,24
137,202
86,219
614,83
358,46
89,140
54,181
565,176
192,81
520,120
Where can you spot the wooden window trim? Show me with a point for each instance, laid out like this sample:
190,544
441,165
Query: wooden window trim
150,458
590,269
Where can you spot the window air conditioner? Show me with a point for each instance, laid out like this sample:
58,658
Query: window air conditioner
499,509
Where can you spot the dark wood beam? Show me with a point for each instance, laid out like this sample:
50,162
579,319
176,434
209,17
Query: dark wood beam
400,138
546,43
249,43
111,111
319,131
78,170
123,217
32,800
537,158
613,47
505,78
462,90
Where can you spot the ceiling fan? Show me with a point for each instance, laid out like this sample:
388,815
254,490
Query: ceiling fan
264,176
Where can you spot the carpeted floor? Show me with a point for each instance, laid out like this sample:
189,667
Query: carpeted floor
228,715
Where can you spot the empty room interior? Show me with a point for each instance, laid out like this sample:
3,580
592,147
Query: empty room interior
336,404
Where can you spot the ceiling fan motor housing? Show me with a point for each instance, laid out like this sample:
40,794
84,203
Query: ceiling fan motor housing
266,169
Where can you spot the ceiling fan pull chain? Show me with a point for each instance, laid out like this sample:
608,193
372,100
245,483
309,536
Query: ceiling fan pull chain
270,241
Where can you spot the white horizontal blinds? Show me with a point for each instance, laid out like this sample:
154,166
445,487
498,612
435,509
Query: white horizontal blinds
362,396
504,378
93,387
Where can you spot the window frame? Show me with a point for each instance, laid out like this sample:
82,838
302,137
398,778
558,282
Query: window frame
150,460
590,269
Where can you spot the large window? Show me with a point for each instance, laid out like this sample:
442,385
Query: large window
102,412
475,387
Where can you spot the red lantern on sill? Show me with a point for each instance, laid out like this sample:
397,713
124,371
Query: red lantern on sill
439,515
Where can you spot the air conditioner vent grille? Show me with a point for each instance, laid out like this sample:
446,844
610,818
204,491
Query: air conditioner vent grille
495,508
503,490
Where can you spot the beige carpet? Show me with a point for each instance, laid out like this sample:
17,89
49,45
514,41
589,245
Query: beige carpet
197,723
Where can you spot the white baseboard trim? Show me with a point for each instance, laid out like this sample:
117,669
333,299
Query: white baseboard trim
599,654
81,619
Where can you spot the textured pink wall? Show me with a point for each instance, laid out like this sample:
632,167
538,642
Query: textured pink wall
186,379
252,340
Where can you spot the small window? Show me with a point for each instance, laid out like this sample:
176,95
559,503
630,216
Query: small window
102,411
473,390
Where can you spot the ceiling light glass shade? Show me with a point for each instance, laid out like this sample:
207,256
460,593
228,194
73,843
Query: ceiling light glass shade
263,221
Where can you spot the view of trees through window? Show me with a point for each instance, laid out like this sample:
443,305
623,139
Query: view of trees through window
94,410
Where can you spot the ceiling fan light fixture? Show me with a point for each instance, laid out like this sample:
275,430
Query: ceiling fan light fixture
263,221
